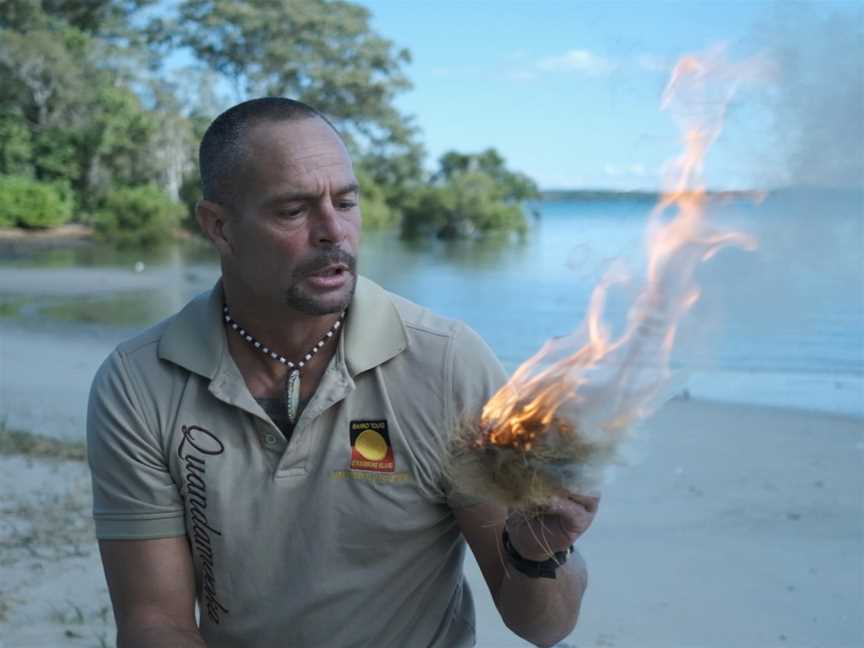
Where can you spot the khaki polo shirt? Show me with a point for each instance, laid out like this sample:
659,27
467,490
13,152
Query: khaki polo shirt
343,537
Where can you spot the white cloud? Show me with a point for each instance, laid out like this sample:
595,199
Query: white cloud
577,61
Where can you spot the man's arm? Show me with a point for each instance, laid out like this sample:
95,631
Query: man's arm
152,586
540,610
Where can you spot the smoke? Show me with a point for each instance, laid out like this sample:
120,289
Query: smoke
818,101
796,304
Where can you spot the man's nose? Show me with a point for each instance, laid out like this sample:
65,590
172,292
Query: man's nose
328,226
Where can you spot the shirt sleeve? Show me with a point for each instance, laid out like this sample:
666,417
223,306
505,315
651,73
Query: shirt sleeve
475,376
134,495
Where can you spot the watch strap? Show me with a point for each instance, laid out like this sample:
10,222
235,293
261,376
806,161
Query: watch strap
534,568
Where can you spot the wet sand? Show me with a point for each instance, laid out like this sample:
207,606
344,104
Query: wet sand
738,526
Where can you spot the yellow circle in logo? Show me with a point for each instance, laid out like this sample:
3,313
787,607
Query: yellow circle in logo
371,445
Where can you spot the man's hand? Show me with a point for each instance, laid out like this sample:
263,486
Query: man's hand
538,534
540,610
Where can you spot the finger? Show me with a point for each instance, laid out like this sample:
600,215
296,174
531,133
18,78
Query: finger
572,518
590,501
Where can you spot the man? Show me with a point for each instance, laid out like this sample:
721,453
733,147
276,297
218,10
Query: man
273,451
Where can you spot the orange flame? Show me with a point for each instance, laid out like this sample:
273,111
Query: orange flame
603,386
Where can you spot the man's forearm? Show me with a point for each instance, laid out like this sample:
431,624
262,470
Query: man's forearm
160,637
543,610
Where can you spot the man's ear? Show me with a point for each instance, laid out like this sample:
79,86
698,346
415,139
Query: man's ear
213,220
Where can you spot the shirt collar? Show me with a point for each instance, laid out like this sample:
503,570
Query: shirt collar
195,338
373,331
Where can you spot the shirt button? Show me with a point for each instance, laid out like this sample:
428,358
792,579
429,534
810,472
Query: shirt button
270,439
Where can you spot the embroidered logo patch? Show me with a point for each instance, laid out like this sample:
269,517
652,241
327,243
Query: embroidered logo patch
370,447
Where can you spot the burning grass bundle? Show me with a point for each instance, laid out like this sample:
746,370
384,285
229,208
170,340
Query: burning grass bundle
553,430
523,479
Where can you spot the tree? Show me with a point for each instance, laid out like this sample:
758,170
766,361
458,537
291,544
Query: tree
97,17
470,195
68,111
322,52
514,186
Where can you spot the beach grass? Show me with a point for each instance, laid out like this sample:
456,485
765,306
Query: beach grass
20,442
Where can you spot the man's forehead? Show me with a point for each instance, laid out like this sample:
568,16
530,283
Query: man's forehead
314,162
298,147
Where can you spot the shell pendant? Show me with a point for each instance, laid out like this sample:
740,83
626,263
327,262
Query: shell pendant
292,395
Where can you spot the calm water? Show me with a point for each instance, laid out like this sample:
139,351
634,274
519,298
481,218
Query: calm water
782,326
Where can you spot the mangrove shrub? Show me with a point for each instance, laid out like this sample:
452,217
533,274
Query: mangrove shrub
24,202
137,216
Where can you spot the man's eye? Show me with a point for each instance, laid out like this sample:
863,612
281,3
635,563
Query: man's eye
346,204
293,212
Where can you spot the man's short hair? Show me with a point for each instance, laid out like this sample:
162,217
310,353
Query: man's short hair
222,151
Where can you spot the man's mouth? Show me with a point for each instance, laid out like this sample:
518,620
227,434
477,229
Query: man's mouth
330,277
333,270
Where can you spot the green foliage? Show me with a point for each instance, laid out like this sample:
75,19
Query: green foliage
89,16
56,155
137,216
116,140
74,106
470,195
377,214
470,203
15,145
25,202
190,194
512,185
322,52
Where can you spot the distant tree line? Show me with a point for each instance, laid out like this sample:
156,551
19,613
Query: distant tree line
94,129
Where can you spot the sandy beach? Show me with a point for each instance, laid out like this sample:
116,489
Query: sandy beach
735,526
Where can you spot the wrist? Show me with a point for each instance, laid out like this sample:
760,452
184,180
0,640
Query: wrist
534,568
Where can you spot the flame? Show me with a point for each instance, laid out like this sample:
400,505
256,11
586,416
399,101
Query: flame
599,389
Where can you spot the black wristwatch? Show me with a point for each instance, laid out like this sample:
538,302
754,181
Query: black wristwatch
534,568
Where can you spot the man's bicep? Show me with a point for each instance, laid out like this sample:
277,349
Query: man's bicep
482,525
151,582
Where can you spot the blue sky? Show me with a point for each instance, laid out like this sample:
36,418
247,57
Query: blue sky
569,92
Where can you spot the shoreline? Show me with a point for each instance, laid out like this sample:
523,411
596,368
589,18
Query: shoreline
62,234
758,502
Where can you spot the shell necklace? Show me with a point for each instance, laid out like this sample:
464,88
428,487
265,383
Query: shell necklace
292,382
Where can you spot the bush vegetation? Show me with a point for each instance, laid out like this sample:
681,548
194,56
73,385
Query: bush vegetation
470,195
27,203
137,216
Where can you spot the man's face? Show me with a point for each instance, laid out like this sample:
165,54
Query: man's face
294,227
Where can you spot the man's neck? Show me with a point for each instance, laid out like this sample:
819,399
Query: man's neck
286,331
266,377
